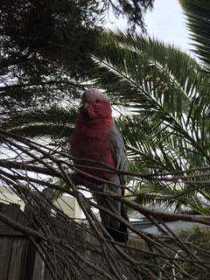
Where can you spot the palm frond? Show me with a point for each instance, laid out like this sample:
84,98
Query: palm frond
159,81
167,132
55,122
198,19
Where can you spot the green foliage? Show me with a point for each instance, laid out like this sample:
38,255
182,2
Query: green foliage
167,89
200,240
198,18
134,10
168,133
38,36
46,46
55,122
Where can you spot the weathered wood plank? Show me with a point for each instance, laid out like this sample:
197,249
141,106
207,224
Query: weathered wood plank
16,261
12,245
39,268
5,256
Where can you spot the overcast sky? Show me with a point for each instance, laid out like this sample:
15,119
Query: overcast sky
166,22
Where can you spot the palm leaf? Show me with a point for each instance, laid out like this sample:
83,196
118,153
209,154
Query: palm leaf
168,93
54,122
160,82
198,19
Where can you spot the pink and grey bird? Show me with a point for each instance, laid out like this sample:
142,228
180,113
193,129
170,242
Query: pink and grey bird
97,139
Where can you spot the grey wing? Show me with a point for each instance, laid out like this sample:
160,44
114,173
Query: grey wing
119,152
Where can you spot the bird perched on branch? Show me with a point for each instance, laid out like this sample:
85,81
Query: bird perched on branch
97,141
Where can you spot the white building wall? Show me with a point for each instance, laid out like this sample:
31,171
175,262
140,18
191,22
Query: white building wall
66,203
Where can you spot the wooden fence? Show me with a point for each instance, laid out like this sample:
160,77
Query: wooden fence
18,260
18,257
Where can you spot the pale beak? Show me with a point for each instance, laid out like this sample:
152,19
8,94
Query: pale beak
83,106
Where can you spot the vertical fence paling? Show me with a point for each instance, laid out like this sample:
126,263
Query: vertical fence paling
14,247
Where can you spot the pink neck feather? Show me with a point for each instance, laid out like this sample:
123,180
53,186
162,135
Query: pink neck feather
95,127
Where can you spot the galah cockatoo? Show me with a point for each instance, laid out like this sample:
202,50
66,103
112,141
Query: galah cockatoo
97,138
